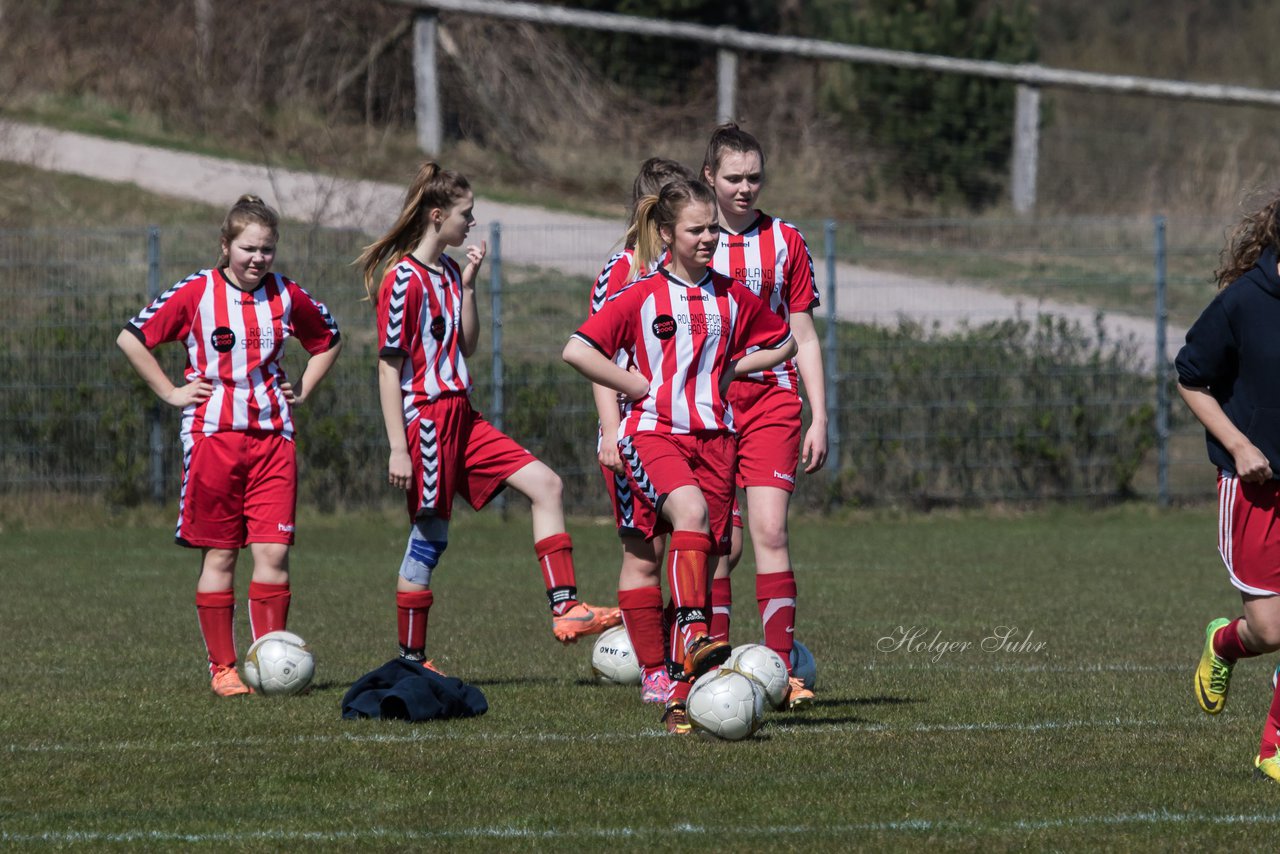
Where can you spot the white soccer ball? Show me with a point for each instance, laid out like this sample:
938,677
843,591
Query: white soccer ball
726,704
613,660
803,665
758,662
279,663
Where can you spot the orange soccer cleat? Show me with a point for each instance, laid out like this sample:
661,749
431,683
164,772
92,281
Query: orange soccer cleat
226,683
582,620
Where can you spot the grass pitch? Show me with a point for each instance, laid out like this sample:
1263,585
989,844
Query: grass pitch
985,683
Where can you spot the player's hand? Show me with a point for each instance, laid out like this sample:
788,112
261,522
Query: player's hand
290,396
193,392
813,453
475,257
1252,465
611,458
400,470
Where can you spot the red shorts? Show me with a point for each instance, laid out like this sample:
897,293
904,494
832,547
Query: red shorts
632,516
767,420
455,450
238,488
660,463
1249,533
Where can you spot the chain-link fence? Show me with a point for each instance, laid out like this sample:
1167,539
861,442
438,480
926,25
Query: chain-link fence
968,361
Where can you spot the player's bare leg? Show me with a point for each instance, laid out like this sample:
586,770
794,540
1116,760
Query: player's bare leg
775,579
570,617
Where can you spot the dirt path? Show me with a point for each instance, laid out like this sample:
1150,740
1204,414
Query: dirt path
574,244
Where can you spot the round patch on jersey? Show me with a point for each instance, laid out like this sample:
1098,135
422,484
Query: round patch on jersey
223,339
437,328
664,326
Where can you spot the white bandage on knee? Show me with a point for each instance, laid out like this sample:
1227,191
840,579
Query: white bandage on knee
428,538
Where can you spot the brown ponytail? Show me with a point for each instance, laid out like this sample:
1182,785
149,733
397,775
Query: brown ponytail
248,210
433,187
655,173
729,137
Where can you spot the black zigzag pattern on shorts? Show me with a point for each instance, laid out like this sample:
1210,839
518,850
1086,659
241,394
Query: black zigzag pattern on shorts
429,450
626,499
637,471
158,303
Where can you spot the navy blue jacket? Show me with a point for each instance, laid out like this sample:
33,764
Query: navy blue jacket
1233,350
407,691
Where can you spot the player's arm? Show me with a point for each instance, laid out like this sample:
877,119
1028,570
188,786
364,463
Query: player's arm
606,400
399,468
599,368
470,312
1250,463
763,358
813,451
145,363
317,369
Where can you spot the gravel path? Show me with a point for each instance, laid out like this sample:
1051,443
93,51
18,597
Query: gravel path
574,244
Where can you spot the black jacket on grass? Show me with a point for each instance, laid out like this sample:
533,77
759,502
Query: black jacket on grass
1233,350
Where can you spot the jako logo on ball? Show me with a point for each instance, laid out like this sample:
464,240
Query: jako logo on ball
664,326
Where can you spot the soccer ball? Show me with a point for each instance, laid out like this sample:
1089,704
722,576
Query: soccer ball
803,665
279,663
762,664
726,704
613,660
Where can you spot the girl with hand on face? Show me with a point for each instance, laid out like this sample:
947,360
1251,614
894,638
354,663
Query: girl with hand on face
428,323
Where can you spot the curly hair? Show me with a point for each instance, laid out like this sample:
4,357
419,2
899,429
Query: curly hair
1247,241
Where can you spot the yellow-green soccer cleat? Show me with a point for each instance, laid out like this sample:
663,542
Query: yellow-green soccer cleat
1269,767
1213,674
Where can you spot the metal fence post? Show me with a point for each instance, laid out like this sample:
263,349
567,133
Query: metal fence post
1162,366
155,413
832,360
495,345
726,85
426,74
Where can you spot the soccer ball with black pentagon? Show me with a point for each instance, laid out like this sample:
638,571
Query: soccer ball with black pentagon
765,666
613,659
279,663
726,704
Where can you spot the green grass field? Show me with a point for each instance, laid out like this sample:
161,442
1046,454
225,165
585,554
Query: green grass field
109,736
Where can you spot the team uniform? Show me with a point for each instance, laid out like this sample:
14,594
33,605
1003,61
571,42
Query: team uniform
1231,351
452,447
239,464
239,483
772,260
681,337
628,512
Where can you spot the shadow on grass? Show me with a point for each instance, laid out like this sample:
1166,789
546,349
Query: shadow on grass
832,703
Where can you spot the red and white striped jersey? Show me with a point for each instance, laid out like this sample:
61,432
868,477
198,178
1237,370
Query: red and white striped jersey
420,318
616,275
773,261
235,340
681,337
